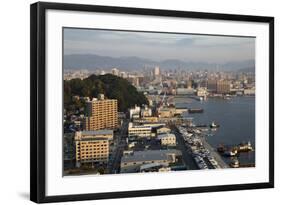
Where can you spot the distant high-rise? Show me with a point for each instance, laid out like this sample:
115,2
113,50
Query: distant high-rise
212,85
219,86
189,84
156,71
115,71
101,114
223,86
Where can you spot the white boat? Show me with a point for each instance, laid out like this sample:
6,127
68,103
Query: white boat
230,153
214,125
234,163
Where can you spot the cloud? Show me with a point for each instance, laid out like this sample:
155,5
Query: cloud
158,46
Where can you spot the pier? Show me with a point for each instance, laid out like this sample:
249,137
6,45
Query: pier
199,150
186,153
214,154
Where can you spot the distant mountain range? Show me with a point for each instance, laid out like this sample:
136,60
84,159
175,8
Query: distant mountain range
92,62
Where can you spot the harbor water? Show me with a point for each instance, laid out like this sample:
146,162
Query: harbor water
236,117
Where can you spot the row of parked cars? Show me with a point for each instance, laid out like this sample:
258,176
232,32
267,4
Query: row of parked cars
201,155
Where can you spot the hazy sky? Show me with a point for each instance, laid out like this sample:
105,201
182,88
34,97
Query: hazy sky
159,46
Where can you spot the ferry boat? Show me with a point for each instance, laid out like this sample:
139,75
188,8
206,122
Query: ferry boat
246,147
227,97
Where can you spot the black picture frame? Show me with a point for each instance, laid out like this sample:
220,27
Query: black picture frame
38,100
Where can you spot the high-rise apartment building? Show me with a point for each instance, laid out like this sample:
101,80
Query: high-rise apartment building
101,113
218,86
212,85
223,86
156,71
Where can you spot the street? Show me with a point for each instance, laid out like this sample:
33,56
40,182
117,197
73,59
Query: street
114,165
186,154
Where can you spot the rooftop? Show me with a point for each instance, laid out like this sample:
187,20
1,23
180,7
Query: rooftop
161,136
97,132
150,155
151,165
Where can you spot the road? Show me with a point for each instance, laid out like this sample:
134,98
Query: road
118,152
188,157
186,153
214,154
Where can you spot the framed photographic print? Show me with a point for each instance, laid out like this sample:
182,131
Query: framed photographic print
129,102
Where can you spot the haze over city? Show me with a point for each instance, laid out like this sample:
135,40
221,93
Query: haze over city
159,47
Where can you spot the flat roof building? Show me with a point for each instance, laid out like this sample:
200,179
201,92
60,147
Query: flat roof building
212,85
133,112
154,167
133,162
101,114
107,134
139,130
223,87
167,139
92,146
166,112
163,130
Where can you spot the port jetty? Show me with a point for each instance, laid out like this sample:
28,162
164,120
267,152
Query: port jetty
203,154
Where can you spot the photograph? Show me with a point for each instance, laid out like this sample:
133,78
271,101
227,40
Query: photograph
146,101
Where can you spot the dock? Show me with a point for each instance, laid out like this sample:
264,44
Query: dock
214,154
202,153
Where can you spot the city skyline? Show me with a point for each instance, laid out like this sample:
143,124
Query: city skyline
159,46
131,115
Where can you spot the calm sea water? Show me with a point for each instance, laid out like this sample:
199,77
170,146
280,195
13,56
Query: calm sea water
236,118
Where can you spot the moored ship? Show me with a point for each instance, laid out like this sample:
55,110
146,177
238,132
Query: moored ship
195,110
230,153
234,163
245,147
214,125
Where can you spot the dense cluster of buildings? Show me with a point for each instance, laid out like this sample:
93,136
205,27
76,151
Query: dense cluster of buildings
181,82
94,142
151,145
148,142
73,74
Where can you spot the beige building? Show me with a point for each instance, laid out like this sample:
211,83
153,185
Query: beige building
163,130
219,86
139,130
250,91
156,71
101,114
146,120
92,146
167,139
166,112
201,92
223,87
